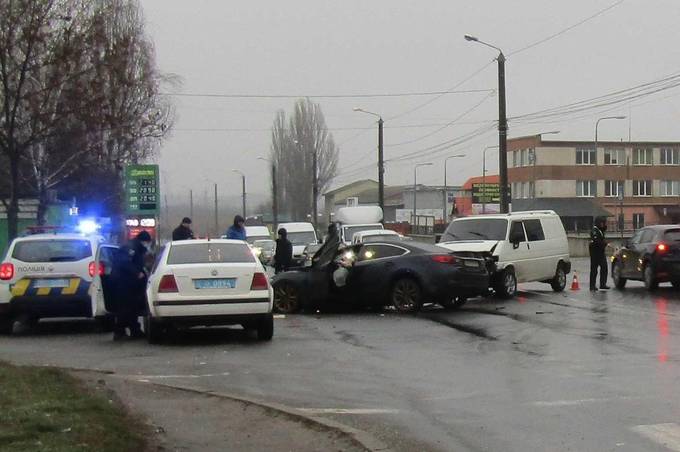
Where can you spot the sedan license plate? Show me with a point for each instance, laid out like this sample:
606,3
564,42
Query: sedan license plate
51,283
471,264
217,283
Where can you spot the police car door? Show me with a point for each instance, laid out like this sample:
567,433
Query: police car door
101,282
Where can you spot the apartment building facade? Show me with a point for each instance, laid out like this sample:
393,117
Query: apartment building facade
638,180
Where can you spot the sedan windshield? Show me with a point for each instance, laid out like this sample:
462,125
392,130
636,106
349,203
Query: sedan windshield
477,229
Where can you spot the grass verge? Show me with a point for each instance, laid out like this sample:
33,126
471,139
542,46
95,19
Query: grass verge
48,409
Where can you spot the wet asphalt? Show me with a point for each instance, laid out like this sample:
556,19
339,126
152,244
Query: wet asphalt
576,371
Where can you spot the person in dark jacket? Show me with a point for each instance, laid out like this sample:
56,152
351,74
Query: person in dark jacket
284,252
237,231
598,259
183,231
130,277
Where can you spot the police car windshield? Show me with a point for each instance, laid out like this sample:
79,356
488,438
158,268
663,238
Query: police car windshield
477,229
52,250
206,253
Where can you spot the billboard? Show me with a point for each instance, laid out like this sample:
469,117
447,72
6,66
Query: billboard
489,193
142,196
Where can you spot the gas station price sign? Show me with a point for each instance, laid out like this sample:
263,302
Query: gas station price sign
142,195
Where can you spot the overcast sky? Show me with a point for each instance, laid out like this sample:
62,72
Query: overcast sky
318,47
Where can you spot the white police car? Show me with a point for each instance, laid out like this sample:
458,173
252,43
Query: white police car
54,275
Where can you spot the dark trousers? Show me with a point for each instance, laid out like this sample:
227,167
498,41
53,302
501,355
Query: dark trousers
127,315
598,260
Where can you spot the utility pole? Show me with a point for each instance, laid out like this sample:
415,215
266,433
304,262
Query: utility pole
381,167
244,195
275,202
502,136
315,189
191,204
217,221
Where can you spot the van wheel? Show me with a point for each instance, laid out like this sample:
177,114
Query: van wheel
507,284
559,282
617,276
406,295
153,329
265,328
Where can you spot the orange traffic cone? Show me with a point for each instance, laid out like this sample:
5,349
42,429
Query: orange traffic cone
574,283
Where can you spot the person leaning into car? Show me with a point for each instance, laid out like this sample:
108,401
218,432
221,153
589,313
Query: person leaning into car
597,246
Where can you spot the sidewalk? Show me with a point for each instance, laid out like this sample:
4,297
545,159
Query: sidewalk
190,421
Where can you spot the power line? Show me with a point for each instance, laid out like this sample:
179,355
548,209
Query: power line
325,96
565,30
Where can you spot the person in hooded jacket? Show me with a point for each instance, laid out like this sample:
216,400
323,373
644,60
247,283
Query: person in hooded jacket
598,258
183,231
283,257
129,277
237,231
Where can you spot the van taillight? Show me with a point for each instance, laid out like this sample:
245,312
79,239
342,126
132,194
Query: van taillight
444,258
6,271
167,284
259,282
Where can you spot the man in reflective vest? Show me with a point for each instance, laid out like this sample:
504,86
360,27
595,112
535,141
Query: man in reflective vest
598,259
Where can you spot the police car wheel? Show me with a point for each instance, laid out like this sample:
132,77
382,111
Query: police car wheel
106,323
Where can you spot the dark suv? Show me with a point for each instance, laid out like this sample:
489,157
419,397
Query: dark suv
652,255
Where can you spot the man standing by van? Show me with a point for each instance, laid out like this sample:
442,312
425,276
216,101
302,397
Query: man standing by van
597,247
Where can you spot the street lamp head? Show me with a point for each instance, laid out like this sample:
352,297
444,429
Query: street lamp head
471,38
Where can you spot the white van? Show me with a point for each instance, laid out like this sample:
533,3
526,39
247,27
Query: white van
257,233
520,247
300,235
351,220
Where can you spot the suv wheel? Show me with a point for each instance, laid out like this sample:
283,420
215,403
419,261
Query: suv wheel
559,282
406,295
265,328
651,283
617,272
507,284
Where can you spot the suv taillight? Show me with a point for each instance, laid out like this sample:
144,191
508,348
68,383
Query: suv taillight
6,271
259,282
444,258
167,284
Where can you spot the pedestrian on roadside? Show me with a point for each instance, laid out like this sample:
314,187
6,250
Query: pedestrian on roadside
183,231
237,231
283,258
130,276
598,259
332,233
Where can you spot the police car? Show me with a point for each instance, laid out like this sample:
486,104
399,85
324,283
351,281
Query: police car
54,275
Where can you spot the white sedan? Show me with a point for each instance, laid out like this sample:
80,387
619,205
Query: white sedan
206,283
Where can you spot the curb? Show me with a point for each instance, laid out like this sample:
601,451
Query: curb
361,438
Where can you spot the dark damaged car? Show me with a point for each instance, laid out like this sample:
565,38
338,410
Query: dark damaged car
401,274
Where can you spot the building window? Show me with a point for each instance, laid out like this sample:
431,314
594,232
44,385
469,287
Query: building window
531,156
638,220
643,156
612,188
586,188
586,156
520,195
532,190
642,188
514,159
670,188
523,157
670,156
614,157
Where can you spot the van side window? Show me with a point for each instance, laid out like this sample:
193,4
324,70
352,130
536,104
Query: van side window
534,230
516,230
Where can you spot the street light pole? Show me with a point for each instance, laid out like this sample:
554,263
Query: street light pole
275,206
415,186
502,127
446,189
381,162
217,221
243,191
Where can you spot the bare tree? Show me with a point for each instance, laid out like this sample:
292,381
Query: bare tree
305,153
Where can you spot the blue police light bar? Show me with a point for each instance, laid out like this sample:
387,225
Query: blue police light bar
88,227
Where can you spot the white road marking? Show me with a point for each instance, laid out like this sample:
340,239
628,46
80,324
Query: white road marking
577,402
147,378
668,435
347,410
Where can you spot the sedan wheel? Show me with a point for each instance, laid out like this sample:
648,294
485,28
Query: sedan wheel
617,272
651,283
406,295
286,298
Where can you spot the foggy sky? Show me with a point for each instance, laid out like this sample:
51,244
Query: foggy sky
317,47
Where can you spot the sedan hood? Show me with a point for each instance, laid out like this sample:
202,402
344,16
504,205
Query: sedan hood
476,246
